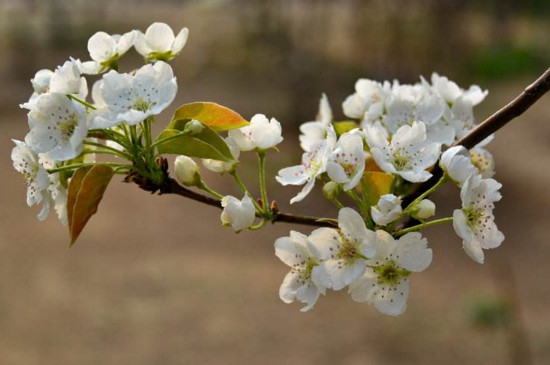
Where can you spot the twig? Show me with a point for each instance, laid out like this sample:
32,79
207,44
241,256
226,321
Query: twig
499,119
490,125
171,186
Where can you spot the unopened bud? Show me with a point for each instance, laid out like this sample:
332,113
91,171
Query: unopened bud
423,210
193,127
331,190
187,171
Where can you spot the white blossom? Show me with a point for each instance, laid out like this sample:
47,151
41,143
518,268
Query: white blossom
56,189
26,162
261,133
408,154
343,251
239,214
187,171
220,166
346,163
58,127
41,84
387,210
106,49
315,131
295,252
450,91
483,159
67,79
385,283
475,222
159,42
457,164
410,103
133,98
367,103
313,164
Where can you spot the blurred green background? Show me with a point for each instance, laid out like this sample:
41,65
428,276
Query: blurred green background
158,280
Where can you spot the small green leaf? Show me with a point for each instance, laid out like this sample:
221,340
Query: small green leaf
85,192
217,117
205,144
344,127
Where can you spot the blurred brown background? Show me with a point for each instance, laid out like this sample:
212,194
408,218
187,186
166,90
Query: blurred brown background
158,280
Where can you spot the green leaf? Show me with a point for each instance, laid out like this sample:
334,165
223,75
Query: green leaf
85,192
344,127
217,117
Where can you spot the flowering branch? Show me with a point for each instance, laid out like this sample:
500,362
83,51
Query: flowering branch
399,145
493,123
497,120
171,186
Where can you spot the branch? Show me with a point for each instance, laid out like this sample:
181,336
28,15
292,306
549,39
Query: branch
490,125
499,119
171,186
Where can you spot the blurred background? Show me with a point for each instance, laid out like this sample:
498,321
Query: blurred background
158,280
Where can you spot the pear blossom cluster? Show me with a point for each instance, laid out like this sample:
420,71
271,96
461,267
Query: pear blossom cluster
61,116
394,138
372,162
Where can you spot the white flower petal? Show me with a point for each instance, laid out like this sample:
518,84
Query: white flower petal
412,252
180,41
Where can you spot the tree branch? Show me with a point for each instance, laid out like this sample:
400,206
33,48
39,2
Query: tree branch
499,119
171,186
490,125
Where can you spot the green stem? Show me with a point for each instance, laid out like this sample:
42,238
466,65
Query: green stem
263,189
87,105
160,141
245,190
337,202
259,226
423,225
441,181
112,150
363,208
210,191
79,165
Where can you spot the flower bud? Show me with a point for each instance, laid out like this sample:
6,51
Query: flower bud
239,214
331,190
187,171
423,210
193,127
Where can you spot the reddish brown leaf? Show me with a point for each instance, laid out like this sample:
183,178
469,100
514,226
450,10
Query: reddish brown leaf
85,192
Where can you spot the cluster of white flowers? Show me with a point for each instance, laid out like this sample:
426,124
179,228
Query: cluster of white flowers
392,144
60,117
375,161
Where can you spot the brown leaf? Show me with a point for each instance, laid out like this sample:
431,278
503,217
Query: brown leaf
86,190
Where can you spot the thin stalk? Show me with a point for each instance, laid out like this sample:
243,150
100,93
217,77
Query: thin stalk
112,150
423,225
440,183
87,105
261,171
363,208
245,190
259,226
210,191
79,165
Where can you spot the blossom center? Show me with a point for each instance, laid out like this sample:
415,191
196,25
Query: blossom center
400,159
473,215
67,128
348,250
308,268
390,273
